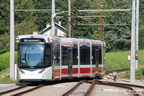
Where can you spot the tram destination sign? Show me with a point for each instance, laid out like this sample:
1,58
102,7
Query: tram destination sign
32,40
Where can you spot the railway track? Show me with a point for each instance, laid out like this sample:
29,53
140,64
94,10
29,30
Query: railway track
125,86
119,70
128,87
20,90
88,89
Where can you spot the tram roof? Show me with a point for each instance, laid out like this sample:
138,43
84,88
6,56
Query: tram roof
63,38
35,36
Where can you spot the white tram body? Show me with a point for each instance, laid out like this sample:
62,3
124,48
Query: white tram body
44,57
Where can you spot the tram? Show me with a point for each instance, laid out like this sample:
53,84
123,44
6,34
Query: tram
45,57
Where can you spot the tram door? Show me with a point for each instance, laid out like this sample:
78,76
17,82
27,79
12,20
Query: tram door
97,60
70,62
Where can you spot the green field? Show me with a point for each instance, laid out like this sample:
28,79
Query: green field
117,60
114,60
4,67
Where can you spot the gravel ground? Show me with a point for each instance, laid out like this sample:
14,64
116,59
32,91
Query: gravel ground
52,90
103,90
21,90
99,90
81,90
139,91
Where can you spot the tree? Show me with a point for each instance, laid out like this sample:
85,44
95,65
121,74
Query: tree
24,15
81,31
42,17
141,24
4,16
119,36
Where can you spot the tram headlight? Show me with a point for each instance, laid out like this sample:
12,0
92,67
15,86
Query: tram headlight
21,71
17,39
41,71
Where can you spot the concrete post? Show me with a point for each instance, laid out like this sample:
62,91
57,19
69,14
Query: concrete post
16,76
132,69
137,32
53,18
12,41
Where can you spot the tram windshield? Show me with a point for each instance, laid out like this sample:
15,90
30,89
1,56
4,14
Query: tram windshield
31,55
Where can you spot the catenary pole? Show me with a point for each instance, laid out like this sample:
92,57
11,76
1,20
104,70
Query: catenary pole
69,18
12,41
132,67
137,32
53,18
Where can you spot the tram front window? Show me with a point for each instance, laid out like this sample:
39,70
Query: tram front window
32,55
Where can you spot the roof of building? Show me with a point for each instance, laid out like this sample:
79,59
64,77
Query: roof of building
50,27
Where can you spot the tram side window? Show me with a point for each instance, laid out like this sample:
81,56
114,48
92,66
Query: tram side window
75,60
18,56
98,48
94,56
64,56
47,57
85,56
58,58
100,55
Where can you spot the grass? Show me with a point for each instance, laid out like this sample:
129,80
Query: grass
4,67
139,73
5,60
5,78
117,60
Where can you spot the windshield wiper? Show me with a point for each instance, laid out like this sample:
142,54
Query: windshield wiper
25,54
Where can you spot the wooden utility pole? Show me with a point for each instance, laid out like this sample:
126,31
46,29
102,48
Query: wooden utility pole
69,19
101,20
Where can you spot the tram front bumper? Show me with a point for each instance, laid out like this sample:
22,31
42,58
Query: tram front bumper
30,77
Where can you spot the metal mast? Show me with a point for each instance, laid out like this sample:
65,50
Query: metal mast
137,32
53,18
132,67
12,41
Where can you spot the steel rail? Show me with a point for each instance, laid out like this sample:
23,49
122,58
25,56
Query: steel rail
88,92
8,91
119,70
73,89
118,85
26,91
131,85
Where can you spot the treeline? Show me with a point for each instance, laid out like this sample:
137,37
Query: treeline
116,29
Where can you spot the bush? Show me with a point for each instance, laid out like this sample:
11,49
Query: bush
2,51
5,60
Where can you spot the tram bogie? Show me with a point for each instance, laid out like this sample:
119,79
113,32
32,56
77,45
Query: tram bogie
44,57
